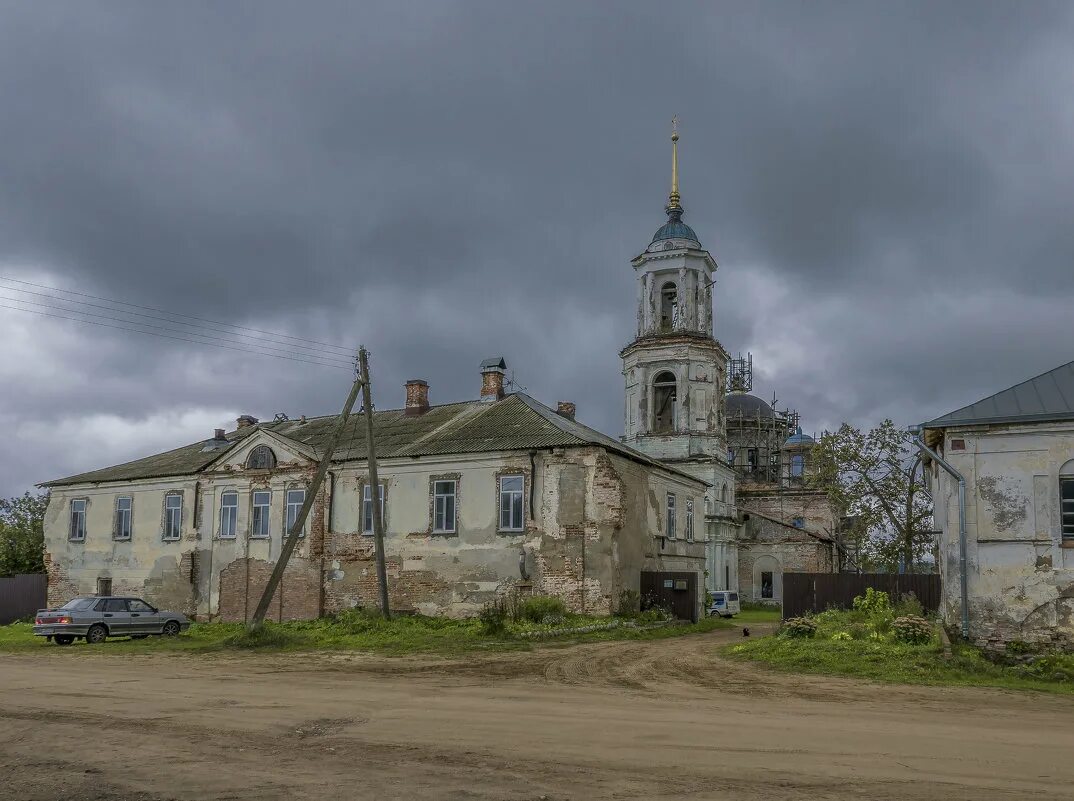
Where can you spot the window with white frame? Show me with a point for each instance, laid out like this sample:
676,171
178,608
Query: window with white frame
173,516
671,515
121,529
77,530
259,514
229,514
444,507
295,499
367,507
512,489
1066,501
689,520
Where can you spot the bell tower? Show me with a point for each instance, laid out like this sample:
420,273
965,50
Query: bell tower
675,371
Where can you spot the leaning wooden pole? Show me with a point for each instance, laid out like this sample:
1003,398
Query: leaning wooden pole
311,494
374,482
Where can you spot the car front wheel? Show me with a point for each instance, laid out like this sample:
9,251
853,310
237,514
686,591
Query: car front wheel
63,639
171,628
96,634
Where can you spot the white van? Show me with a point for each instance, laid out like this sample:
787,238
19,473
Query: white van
724,603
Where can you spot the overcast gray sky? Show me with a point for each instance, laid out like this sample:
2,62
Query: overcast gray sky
886,188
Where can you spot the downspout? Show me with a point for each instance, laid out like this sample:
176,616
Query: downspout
915,432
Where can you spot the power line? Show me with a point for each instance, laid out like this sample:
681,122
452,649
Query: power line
176,314
338,366
332,358
314,351
232,337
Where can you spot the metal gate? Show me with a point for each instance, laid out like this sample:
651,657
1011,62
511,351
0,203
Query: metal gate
676,592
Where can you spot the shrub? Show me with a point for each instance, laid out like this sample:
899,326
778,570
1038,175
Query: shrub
873,602
912,629
543,609
493,617
629,604
655,614
842,636
909,605
798,627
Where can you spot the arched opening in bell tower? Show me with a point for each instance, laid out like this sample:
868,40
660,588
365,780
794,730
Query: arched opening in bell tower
664,395
669,306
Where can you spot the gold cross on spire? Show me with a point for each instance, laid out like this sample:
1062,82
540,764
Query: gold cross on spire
673,198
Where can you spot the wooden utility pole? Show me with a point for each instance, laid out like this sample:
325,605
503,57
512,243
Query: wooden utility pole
374,482
311,494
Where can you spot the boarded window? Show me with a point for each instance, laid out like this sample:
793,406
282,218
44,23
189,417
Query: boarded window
104,586
1066,500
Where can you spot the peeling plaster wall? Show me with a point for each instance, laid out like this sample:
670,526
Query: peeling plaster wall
1020,576
592,522
146,565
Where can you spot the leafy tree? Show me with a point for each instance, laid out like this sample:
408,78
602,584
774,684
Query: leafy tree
875,478
22,534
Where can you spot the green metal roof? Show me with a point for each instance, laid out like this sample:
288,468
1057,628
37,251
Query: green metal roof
1044,398
517,422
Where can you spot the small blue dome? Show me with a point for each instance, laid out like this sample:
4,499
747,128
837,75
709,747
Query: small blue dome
798,438
675,228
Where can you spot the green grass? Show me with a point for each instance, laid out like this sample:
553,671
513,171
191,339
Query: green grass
357,631
756,614
872,653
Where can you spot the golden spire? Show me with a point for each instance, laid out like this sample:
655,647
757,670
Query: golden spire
673,198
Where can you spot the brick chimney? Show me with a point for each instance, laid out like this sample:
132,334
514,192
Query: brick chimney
492,373
246,420
566,409
218,434
417,397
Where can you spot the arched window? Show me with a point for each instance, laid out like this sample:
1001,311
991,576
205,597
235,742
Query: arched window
261,458
664,396
669,306
797,465
1066,500
767,579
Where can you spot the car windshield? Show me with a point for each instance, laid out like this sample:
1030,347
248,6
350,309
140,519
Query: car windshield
78,604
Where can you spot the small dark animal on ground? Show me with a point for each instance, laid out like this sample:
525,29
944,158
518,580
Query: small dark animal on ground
745,631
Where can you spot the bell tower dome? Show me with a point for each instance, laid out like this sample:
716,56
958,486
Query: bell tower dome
675,370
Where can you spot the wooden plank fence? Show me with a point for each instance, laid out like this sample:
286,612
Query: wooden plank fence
21,596
815,592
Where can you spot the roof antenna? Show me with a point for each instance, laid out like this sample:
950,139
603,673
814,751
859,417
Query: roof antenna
511,383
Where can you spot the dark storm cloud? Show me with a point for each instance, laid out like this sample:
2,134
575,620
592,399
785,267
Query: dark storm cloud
885,188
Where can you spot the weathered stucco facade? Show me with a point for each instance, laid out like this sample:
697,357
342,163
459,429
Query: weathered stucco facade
593,517
768,548
1020,570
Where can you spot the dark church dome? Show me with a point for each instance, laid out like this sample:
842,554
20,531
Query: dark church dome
739,404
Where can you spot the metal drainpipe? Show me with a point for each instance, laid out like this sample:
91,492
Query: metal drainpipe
915,431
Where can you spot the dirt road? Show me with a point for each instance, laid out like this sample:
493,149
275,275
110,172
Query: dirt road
652,720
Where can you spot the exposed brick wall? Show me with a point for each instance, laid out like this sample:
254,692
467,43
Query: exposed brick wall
61,587
298,596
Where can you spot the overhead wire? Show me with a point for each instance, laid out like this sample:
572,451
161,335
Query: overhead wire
323,356
175,314
336,365
315,351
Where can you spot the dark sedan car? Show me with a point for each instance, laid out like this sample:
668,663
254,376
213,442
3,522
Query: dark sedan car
96,618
